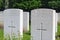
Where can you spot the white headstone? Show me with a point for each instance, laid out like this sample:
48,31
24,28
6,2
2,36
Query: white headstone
59,17
56,17
13,23
25,21
43,24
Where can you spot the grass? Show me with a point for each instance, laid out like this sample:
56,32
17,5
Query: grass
1,34
26,35
58,32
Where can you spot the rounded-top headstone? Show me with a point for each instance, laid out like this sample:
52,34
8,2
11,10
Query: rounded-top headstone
25,21
59,17
13,23
42,24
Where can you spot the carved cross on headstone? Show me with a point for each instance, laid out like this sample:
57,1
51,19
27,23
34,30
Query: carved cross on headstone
11,26
42,29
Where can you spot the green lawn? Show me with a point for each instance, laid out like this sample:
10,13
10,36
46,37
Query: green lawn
27,34
1,34
58,32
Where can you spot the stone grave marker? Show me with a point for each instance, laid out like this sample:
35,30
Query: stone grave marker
59,17
13,23
25,21
43,24
56,17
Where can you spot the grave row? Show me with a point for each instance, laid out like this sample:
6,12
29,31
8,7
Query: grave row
43,23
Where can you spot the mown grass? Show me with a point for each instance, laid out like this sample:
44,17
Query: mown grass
1,34
26,36
58,31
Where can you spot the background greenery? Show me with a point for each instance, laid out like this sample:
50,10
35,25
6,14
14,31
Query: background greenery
28,5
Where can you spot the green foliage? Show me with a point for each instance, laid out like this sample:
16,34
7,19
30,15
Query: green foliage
1,4
53,4
58,4
27,5
32,4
